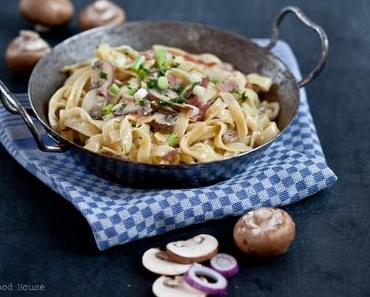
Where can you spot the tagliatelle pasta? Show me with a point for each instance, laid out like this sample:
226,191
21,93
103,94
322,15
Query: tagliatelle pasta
162,106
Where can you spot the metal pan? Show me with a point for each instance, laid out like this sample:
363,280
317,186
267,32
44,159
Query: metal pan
240,51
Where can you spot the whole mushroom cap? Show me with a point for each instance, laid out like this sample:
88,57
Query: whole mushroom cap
264,232
25,51
48,13
101,13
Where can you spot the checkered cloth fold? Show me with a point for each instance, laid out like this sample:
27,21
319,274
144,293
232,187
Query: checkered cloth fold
293,168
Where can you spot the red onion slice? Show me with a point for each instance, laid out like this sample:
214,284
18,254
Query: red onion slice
196,275
225,264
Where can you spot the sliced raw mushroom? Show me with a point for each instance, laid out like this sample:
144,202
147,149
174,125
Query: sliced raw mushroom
48,13
93,104
166,286
101,13
164,122
25,51
264,232
197,249
158,262
102,76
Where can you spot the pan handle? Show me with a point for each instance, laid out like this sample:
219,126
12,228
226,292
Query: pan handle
318,29
12,104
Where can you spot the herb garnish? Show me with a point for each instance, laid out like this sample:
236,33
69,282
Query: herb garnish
103,75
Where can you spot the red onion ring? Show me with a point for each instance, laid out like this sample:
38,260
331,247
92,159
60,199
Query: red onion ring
194,278
225,264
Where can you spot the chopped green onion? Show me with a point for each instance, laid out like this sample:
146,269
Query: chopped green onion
142,72
160,56
103,75
107,109
180,100
143,102
152,83
131,90
239,95
119,106
244,96
163,102
138,63
161,72
173,140
216,81
114,89
162,83
179,89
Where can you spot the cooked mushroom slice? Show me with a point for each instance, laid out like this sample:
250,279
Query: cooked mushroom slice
271,109
25,51
93,104
158,262
101,13
164,122
264,232
166,286
102,76
197,249
47,13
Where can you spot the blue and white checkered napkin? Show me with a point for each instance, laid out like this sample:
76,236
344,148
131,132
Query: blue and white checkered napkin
293,168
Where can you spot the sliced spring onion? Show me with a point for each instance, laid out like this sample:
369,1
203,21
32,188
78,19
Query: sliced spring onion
173,140
179,89
180,100
163,102
197,278
160,56
143,102
142,72
107,109
114,89
131,90
225,264
138,63
152,83
162,83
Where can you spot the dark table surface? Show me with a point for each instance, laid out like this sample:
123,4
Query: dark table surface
44,240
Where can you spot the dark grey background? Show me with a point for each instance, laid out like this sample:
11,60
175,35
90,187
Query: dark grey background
44,240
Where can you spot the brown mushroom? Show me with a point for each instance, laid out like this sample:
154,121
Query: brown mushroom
163,122
197,249
25,51
102,76
93,103
48,13
101,13
265,232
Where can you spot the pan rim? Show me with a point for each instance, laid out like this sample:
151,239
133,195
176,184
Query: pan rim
162,22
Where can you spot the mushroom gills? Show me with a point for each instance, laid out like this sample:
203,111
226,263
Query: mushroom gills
166,286
197,249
